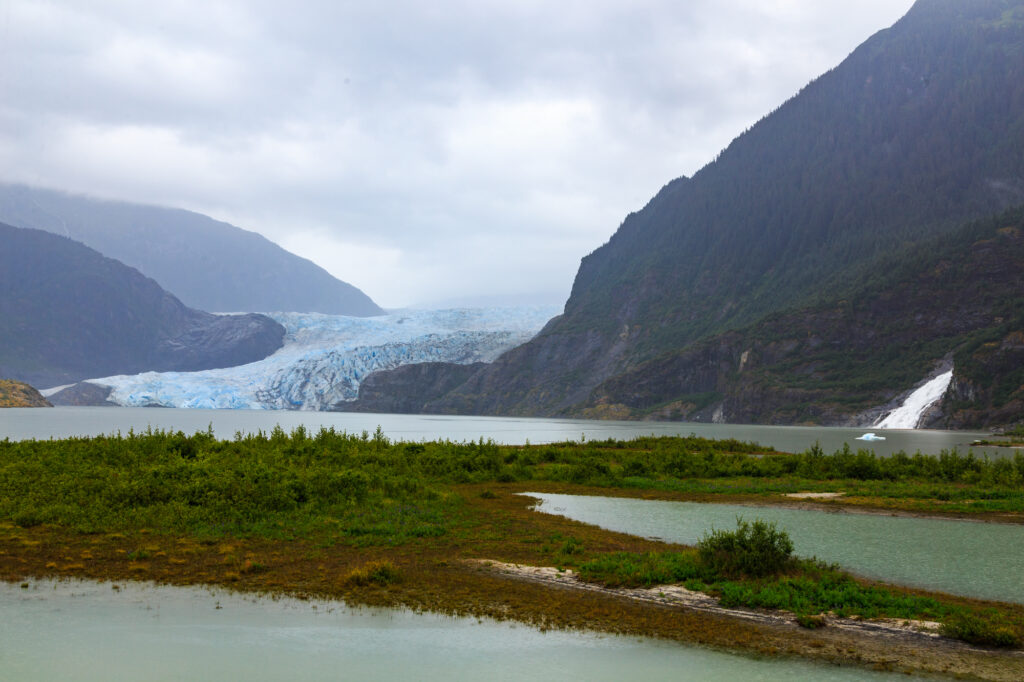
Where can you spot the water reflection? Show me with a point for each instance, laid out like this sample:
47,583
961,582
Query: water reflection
88,631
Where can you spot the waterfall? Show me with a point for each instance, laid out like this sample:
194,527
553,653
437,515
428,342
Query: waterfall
908,415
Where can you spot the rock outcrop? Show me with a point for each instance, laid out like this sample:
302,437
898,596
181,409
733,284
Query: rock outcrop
19,394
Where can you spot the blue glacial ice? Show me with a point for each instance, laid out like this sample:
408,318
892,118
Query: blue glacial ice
325,357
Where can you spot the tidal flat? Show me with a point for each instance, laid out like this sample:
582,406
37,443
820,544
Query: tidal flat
368,521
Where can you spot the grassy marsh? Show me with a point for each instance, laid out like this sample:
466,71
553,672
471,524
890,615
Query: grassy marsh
359,517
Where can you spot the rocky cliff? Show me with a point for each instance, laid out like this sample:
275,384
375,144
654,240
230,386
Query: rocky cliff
407,389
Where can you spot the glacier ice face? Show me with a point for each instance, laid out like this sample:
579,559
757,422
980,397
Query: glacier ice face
325,357
908,415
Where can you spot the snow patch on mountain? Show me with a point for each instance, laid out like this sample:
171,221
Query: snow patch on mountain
325,357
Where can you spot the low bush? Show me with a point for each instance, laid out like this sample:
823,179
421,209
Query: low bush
755,550
625,569
381,573
977,629
810,622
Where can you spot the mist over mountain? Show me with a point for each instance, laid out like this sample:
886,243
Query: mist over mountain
68,313
917,132
208,264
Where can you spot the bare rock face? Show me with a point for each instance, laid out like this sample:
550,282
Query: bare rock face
213,341
407,389
83,394
988,388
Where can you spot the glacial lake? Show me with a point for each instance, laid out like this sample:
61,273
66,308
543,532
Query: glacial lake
60,422
88,631
75,630
969,558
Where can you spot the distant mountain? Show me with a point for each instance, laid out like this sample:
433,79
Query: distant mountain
68,313
206,263
917,132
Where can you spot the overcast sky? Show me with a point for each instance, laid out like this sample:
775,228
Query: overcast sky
421,151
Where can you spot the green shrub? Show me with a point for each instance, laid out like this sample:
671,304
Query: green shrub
374,573
571,546
810,622
975,629
28,519
627,569
754,549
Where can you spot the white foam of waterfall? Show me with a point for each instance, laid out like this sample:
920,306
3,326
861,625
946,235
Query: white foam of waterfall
908,415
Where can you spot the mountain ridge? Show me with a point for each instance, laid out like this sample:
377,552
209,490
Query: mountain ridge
69,313
206,263
918,131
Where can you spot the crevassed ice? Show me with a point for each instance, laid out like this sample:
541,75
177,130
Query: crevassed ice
908,415
325,357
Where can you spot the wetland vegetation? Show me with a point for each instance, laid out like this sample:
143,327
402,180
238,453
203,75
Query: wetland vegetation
369,520
1013,437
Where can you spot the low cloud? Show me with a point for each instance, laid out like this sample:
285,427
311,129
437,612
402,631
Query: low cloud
419,151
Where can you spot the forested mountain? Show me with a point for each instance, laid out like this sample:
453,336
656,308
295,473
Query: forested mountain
206,263
68,313
958,302
918,131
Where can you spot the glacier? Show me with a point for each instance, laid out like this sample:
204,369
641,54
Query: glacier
325,357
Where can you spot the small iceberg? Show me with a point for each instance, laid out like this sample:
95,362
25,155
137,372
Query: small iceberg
870,436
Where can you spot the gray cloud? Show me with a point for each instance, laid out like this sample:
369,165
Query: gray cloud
418,150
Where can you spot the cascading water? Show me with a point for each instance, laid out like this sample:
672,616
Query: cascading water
908,415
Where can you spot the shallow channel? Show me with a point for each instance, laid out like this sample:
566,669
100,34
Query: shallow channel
84,631
969,558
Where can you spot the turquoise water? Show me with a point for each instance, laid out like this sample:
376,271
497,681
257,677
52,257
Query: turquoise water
59,422
969,558
89,631
86,631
